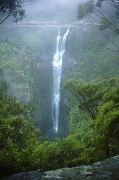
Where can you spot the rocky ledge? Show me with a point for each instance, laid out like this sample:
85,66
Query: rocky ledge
103,170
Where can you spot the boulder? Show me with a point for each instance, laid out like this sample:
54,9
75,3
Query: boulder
107,169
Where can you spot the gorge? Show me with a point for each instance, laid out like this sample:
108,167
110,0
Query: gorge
44,66
59,89
37,59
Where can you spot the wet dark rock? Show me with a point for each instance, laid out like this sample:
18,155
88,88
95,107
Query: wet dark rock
107,169
32,175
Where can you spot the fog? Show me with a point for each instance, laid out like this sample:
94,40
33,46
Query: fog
49,10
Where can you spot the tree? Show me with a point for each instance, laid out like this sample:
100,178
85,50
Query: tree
107,128
85,9
86,96
107,121
18,136
107,12
101,103
11,8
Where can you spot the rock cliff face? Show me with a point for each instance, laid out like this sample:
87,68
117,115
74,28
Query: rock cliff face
107,169
34,53
19,90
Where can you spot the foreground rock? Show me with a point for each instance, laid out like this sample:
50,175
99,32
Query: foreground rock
107,169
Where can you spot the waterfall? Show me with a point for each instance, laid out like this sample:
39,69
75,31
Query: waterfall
57,72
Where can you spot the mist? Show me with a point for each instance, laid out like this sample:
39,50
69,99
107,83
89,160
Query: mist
59,89
52,10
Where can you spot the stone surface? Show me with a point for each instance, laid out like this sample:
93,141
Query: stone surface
18,89
103,170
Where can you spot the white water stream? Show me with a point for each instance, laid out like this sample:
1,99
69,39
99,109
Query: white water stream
57,72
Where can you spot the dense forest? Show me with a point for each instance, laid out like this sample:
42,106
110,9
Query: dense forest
89,107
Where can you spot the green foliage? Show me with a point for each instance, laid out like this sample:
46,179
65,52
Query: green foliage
94,126
91,140
11,107
102,135
107,122
11,8
78,121
86,96
64,152
12,62
85,9
108,17
95,56
18,137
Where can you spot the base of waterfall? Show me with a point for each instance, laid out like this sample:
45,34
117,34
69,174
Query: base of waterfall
51,134
107,169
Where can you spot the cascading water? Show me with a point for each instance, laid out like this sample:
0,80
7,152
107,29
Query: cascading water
57,72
